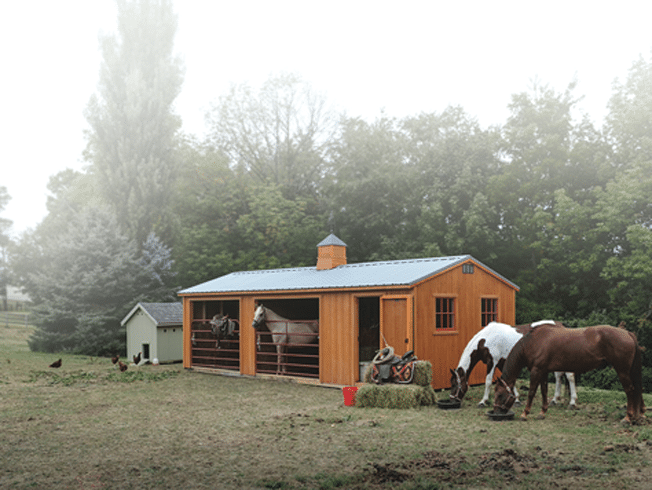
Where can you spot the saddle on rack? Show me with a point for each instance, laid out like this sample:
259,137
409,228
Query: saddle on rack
387,367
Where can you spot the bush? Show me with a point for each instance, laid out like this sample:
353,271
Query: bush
603,378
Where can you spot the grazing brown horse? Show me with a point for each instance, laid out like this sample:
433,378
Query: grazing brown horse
492,345
579,350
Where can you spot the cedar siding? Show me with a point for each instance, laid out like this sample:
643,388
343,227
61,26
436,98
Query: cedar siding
402,294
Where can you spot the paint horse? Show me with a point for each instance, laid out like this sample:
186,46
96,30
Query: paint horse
284,332
547,348
492,345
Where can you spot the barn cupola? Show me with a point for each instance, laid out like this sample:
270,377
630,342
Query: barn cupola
331,252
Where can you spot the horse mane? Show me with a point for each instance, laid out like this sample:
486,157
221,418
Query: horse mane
515,361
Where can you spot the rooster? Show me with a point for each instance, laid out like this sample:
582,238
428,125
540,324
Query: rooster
123,366
56,364
115,358
137,359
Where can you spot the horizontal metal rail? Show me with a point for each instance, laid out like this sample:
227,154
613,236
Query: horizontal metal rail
298,355
14,318
210,351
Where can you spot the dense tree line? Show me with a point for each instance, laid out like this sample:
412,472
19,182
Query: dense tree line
554,203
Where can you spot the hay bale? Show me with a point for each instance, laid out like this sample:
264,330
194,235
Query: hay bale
394,396
422,373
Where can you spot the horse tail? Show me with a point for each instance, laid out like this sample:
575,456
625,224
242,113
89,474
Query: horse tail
636,371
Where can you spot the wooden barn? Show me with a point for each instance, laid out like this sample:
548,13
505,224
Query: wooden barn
431,305
155,330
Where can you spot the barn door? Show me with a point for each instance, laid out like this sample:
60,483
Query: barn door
396,323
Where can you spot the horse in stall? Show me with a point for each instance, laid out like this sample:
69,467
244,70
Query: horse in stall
492,345
223,328
284,332
546,349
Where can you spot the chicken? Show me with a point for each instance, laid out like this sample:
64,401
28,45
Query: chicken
56,364
123,366
115,358
137,359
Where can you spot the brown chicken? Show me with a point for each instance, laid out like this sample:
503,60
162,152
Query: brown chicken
115,358
123,366
137,358
56,364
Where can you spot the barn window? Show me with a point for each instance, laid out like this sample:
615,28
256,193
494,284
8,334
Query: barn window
489,310
467,268
445,314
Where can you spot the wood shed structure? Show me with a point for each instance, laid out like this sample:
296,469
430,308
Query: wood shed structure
155,330
431,305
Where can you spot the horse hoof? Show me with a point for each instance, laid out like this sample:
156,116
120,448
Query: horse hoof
517,403
523,417
573,407
481,405
553,402
541,416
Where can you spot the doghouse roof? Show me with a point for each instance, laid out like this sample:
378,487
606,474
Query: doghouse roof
162,314
348,276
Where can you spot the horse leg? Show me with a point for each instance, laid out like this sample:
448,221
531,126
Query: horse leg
573,391
544,397
535,379
280,361
558,384
633,397
517,402
487,388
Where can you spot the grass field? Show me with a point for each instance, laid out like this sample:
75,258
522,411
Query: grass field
86,425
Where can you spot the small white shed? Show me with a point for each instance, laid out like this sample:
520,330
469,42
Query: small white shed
155,330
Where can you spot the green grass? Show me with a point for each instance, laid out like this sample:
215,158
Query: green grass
86,425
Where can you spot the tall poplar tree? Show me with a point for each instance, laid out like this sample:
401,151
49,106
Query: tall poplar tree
132,123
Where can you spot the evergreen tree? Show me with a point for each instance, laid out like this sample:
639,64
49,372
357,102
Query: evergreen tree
132,125
85,279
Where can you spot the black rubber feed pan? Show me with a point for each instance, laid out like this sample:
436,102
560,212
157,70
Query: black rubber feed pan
448,404
500,416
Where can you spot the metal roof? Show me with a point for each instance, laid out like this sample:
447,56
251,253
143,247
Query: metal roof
331,240
362,275
162,314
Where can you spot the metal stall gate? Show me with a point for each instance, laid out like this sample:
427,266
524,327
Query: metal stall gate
289,346
215,335
288,353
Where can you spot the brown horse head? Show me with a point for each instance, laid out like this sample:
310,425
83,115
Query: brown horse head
459,377
459,384
504,397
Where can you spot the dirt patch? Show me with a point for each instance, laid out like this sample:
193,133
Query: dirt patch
507,467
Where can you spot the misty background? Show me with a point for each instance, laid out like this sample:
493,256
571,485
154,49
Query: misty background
393,130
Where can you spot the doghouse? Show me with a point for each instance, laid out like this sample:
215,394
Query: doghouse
430,305
155,330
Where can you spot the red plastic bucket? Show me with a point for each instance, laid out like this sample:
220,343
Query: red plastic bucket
349,395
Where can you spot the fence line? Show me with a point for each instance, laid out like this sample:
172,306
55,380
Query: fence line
13,318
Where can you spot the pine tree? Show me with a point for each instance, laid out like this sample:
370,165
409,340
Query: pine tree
86,279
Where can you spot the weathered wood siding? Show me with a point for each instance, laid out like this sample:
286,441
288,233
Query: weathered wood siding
187,323
443,349
338,322
247,336
338,355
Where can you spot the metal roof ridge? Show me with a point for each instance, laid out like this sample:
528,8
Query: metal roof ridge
357,264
